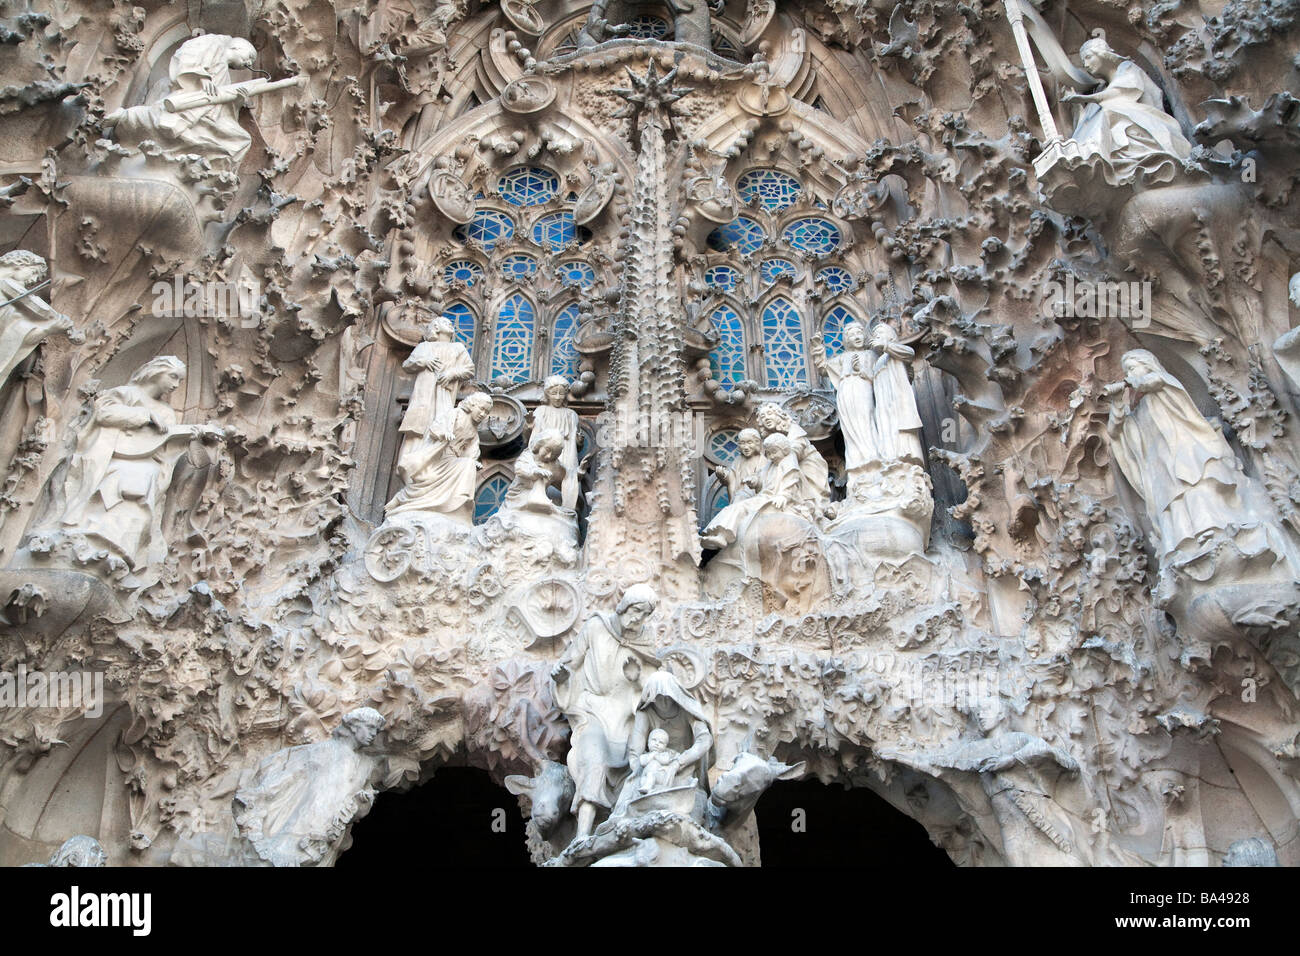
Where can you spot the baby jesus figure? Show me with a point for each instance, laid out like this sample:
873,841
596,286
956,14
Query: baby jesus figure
658,764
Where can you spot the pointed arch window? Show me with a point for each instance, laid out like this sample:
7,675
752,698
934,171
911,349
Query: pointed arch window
564,357
512,352
728,359
463,321
833,328
488,498
783,350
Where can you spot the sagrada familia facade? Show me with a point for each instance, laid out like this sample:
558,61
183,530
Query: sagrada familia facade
644,403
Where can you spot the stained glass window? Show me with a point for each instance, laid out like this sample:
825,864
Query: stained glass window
833,329
489,497
488,227
463,319
577,273
557,230
773,189
647,28
836,280
728,359
528,185
773,269
720,277
783,345
564,357
512,353
518,266
724,47
741,234
716,498
722,445
463,270
814,236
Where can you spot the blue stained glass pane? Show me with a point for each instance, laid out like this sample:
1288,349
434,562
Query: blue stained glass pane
718,500
488,227
773,189
489,497
463,319
564,357
833,329
557,230
741,234
647,28
773,269
814,236
518,266
728,359
512,353
783,345
837,280
464,271
722,444
577,273
721,277
528,185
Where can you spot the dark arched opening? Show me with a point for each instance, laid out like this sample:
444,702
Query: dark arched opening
804,823
458,818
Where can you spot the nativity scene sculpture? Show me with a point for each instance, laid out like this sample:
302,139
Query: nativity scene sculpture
645,405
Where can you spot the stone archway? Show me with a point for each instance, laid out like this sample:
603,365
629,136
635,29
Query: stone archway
805,823
459,817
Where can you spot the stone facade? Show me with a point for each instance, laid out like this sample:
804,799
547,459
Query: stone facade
644,403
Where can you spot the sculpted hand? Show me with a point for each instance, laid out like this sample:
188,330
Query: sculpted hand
560,673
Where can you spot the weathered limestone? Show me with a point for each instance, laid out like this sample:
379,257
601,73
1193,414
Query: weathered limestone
645,406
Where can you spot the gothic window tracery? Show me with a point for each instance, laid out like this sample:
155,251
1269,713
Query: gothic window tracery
833,328
512,349
528,186
462,317
783,347
491,492
564,356
728,358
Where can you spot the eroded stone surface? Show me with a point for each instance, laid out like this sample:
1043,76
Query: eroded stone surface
644,410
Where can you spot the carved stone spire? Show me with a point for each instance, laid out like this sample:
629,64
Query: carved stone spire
646,476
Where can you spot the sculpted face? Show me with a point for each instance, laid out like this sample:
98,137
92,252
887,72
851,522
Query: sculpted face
854,337
749,445
636,615
164,383
556,394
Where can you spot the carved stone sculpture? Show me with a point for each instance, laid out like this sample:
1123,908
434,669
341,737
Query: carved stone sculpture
26,319
299,804
815,485
1124,123
898,424
1178,463
744,476
556,416
202,65
598,684
438,473
122,466
441,365
778,490
852,373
